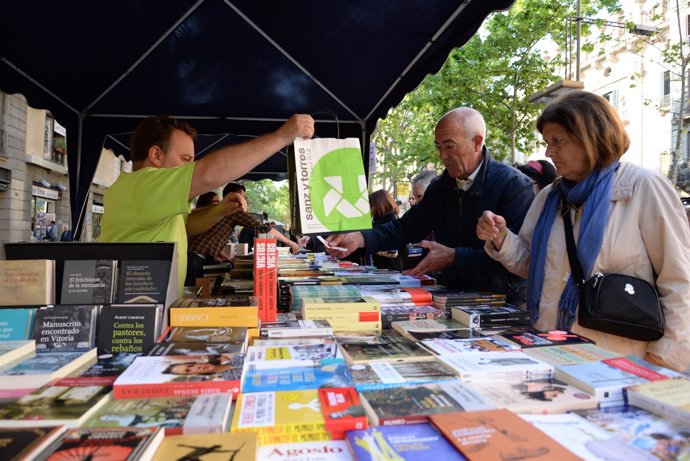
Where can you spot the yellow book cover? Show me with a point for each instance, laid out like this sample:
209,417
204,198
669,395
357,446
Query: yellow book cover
338,326
311,305
209,447
26,282
279,413
667,397
234,316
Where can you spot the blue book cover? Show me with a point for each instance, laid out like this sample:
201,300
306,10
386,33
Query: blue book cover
15,324
329,373
414,442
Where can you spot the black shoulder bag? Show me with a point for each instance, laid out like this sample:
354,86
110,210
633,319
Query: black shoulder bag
614,303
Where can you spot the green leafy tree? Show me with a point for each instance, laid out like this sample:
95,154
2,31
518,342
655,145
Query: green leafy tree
495,72
270,197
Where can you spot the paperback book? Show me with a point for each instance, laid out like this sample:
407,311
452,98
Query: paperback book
575,353
128,328
27,282
485,367
544,396
103,373
530,337
44,368
196,348
417,442
585,439
204,334
26,443
173,376
237,311
414,404
16,324
384,375
110,444
208,447
280,417
498,435
326,450
669,398
143,281
443,346
403,350
267,357
63,328
295,328
54,405
442,325
605,379
13,352
327,373
400,313
88,281
203,414
342,410
660,437
488,316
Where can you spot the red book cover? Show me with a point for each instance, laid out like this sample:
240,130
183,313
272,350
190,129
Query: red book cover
259,274
420,296
342,411
271,312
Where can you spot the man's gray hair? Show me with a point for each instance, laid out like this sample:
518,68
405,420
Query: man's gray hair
424,178
472,121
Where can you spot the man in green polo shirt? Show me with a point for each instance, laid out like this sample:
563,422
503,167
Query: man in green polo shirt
152,203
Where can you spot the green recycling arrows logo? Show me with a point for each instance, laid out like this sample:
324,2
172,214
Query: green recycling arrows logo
339,190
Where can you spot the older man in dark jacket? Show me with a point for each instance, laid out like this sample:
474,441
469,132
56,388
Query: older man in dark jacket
471,183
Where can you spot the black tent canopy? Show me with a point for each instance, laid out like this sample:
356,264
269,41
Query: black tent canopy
237,67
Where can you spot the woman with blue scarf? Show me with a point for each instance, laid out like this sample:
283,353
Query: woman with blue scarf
626,220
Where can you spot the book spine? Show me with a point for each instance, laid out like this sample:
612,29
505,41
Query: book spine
356,326
296,333
272,439
402,420
660,408
214,317
295,429
180,389
271,312
259,274
388,319
345,316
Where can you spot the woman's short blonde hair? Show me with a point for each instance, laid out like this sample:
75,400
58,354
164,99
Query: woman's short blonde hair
593,122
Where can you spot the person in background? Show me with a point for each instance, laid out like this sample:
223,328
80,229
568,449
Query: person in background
51,232
541,172
384,210
152,203
420,183
209,198
471,183
626,219
66,235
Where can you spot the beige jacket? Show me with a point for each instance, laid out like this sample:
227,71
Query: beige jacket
647,233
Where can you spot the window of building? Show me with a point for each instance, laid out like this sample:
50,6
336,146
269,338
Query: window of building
665,89
54,141
612,97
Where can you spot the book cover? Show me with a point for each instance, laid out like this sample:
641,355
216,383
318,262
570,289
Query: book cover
216,316
45,367
658,436
103,373
65,328
441,325
266,357
110,444
342,410
172,376
326,450
207,334
326,373
585,439
487,316
383,375
88,281
416,442
543,396
294,328
13,352
403,351
575,353
266,278
498,435
442,346
25,444
196,348
510,366
203,414
216,301
16,324
465,297
669,398
414,404
143,281
401,313
54,405
605,379
208,447
530,337
280,413
127,328
27,282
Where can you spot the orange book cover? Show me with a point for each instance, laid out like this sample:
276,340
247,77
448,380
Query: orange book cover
342,411
271,311
420,296
498,435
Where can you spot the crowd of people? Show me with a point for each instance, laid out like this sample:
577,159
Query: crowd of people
482,224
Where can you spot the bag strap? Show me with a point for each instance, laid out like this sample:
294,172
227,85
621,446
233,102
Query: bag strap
575,267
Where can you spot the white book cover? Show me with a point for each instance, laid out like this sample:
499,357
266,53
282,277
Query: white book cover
327,450
514,366
266,357
442,346
587,440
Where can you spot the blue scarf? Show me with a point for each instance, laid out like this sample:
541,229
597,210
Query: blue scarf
595,190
